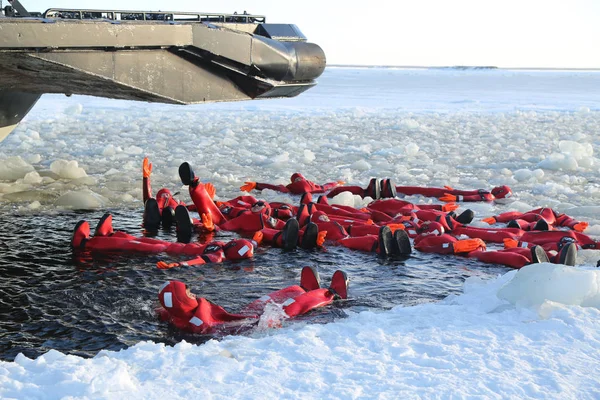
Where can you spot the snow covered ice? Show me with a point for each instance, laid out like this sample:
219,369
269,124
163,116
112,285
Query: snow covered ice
526,334
474,345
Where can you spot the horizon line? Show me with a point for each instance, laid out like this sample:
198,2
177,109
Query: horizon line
463,67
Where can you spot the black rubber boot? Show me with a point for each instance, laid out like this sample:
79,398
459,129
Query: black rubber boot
184,224
402,245
568,254
541,225
289,234
167,217
373,190
309,238
151,216
388,189
392,188
386,241
538,255
465,217
513,224
186,173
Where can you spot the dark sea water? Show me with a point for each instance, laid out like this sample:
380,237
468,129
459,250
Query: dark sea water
51,298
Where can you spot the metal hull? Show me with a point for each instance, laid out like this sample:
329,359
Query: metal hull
13,107
178,63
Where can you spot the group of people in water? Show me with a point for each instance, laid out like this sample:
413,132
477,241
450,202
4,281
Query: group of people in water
386,226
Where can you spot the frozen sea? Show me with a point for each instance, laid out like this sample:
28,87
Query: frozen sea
429,327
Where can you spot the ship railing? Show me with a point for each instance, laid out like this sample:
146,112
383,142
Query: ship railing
126,15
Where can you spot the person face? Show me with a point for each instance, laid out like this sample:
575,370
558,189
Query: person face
258,207
189,293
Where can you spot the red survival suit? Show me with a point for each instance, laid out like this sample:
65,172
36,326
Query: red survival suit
514,257
551,216
446,193
106,240
198,315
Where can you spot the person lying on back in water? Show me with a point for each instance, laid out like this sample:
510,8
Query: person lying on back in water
433,239
550,216
186,311
299,185
105,239
385,188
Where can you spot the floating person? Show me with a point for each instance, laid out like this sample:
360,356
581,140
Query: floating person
454,195
250,220
435,240
396,208
550,216
556,236
299,185
105,239
386,189
160,210
186,311
200,194
518,257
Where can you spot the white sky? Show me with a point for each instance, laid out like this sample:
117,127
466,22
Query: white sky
507,33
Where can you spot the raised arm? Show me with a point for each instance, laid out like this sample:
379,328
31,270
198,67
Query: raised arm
248,186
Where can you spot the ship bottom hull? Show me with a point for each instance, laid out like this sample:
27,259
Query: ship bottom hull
13,107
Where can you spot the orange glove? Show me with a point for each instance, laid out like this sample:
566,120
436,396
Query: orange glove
369,222
207,222
321,238
394,227
210,189
448,187
448,197
581,226
258,237
449,207
341,183
490,220
510,243
219,203
247,186
468,245
364,209
164,265
146,168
